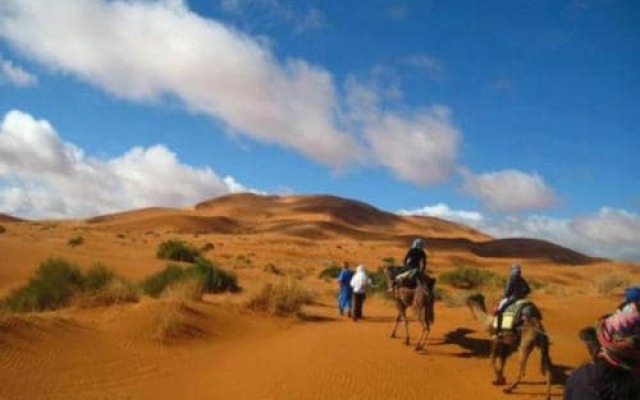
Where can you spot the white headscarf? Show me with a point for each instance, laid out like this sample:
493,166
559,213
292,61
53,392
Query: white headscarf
360,280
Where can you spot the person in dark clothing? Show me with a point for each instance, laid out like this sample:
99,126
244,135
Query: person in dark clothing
614,373
600,380
517,288
414,261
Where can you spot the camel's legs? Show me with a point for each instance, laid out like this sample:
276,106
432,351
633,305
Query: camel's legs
406,327
525,352
395,326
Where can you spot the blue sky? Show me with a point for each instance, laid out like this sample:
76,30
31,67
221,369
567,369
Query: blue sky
518,118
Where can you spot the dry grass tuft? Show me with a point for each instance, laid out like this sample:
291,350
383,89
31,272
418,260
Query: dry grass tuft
281,297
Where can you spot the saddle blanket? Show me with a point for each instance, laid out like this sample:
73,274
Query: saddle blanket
510,315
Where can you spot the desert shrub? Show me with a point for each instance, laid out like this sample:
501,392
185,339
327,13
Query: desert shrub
388,261
177,250
117,290
212,278
156,283
378,281
609,284
75,241
2,229
207,246
98,277
329,273
54,284
468,277
281,297
273,269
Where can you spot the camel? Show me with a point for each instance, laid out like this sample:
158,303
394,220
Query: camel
420,299
527,336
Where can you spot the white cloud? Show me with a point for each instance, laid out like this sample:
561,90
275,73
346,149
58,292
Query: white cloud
419,147
43,176
443,211
609,233
510,190
144,51
15,75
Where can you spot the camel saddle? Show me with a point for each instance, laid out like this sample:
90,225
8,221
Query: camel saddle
515,314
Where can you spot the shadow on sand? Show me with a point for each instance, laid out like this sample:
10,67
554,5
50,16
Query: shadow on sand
472,347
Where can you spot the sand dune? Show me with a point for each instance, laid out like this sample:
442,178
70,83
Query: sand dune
219,349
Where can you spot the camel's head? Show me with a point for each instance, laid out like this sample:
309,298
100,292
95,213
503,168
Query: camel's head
476,300
589,337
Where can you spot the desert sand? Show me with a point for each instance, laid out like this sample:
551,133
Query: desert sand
226,351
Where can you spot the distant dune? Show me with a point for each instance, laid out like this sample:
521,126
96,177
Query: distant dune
9,218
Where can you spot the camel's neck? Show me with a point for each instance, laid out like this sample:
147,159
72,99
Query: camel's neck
481,315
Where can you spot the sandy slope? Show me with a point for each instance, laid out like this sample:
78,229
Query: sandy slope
228,352
110,353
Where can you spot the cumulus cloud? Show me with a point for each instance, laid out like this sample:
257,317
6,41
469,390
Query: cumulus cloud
41,175
419,147
148,50
15,75
442,210
610,233
510,190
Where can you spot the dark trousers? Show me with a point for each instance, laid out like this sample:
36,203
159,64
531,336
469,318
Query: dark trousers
358,301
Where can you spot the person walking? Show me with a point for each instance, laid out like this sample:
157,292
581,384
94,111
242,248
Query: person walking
359,284
345,292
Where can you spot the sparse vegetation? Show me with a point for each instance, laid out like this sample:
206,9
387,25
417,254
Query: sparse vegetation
610,284
388,262
57,283
177,250
329,273
2,229
464,277
211,278
271,268
378,281
281,297
207,247
75,241
156,283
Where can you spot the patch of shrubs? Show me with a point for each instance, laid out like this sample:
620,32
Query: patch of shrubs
211,278
2,229
331,272
177,250
57,283
281,297
464,277
75,241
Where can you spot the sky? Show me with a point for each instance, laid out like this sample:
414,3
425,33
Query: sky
521,119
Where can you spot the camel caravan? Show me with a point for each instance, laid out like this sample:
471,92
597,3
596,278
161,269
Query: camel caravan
515,325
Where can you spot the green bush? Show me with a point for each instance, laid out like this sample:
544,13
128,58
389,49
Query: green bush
177,250
212,278
156,283
56,281
75,241
331,272
468,277
98,277
378,281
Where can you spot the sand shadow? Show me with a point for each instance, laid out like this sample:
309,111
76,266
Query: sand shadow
474,348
